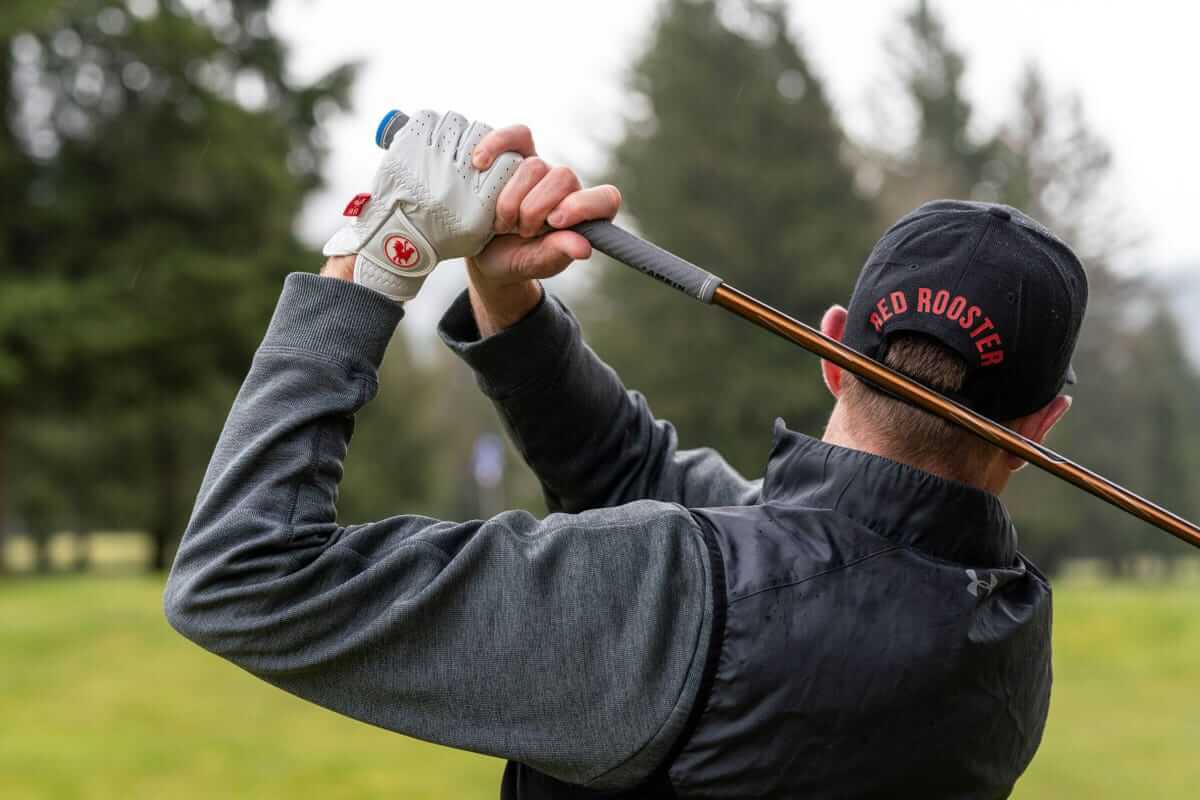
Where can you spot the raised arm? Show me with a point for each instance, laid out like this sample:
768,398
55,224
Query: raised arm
573,644
591,443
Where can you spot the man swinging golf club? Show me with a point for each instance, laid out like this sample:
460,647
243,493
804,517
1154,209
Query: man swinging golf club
858,623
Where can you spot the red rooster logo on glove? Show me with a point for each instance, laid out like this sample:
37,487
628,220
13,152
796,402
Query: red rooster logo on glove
401,252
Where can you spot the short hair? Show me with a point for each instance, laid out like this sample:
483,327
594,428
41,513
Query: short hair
909,433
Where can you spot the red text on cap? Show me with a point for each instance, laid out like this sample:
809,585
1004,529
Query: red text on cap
955,308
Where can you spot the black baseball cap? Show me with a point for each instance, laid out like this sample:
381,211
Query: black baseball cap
989,283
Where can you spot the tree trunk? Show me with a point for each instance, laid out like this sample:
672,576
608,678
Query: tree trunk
41,550
83,551
3,490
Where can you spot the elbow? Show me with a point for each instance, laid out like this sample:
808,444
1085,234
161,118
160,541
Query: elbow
204,617
233,590
209,586
185,601
181,609
226,601
189,603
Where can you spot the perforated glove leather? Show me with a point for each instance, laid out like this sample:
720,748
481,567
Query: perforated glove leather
428,204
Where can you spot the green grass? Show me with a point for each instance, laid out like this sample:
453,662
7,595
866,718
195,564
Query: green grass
100,699
1125,712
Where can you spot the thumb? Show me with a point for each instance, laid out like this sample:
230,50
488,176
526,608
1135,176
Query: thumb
549,255
570,244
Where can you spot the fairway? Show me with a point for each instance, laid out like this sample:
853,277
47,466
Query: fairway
100,699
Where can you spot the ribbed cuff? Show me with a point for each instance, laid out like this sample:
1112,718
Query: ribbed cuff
529,352
333,318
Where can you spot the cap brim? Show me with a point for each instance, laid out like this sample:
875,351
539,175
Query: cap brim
1070,379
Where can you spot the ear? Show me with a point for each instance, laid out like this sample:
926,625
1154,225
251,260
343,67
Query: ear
1038,425
833,325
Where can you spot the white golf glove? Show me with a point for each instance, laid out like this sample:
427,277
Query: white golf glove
428,204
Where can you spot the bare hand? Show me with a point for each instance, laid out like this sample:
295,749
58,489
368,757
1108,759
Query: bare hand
537,196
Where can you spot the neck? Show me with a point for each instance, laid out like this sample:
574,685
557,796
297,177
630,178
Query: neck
845,431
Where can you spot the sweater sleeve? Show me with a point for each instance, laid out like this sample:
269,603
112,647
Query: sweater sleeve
591,443
574,644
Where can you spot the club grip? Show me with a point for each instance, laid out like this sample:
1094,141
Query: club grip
650,259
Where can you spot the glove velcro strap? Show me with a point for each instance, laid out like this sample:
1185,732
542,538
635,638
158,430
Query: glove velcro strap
396,259
399,247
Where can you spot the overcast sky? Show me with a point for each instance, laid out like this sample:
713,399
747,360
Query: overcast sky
559,66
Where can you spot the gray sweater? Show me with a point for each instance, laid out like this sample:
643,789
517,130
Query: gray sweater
574,644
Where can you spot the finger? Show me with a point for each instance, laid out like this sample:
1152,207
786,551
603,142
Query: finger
549,255
508,206
474,135
492,181
515,138
544,198
598,202
449,131
570,244
420,126
511,257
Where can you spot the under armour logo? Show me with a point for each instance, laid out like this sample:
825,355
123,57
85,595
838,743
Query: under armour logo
978,587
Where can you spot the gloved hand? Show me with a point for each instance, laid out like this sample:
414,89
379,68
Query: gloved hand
428,204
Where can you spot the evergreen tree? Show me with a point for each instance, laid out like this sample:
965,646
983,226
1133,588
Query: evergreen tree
734,161
1136,388
931,70
1136,384
159,156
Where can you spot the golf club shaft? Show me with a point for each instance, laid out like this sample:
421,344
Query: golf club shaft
699,284
706,287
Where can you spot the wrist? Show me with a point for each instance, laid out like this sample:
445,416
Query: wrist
340,267
500,306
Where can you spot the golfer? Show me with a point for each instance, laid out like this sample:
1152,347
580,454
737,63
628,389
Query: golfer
858,623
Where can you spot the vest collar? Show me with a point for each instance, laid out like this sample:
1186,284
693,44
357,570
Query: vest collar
940,517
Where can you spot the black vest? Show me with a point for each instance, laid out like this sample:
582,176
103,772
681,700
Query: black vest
876,635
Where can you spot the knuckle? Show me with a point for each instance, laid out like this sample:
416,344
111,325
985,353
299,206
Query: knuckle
562,175
505,208
535,165
483,148
522,133
570,206
528,208
507,203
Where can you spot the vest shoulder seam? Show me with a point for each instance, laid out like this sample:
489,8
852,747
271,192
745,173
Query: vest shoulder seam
784,584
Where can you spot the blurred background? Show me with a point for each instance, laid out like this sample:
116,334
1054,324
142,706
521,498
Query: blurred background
165,163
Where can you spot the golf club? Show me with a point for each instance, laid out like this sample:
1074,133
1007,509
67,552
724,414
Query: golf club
706,287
